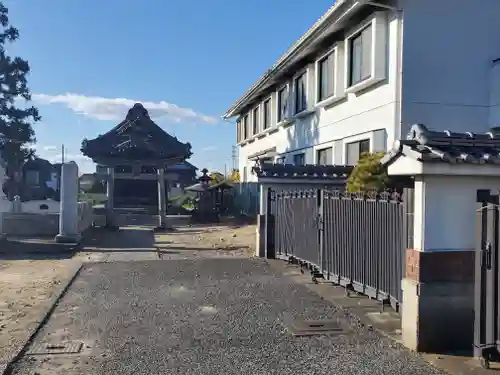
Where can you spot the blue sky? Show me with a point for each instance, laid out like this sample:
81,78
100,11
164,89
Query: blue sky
186,61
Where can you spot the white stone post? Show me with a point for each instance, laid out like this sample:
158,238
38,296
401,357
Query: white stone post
110,201
5,205
162,201
260,237
68,213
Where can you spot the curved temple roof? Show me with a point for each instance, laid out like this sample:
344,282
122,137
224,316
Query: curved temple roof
136,138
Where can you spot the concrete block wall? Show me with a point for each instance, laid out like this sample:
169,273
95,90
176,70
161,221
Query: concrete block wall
27,224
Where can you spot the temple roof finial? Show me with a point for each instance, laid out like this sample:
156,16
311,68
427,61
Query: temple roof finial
137,111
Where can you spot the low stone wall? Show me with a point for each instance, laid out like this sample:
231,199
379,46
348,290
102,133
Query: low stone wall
40,207
43,224
21,224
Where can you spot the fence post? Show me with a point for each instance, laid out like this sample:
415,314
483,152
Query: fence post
270,223
261,223
321,231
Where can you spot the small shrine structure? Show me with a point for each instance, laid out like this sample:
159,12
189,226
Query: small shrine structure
136,155
209,203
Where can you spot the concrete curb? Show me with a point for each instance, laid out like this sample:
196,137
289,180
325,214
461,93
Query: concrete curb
17,353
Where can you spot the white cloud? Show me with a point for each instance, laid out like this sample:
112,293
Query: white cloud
68,157
208,149
50,148
116,108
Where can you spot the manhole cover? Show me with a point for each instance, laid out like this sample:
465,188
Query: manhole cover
57,348
302,327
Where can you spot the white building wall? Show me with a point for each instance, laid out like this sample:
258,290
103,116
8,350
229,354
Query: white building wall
439,72
367,114
449,48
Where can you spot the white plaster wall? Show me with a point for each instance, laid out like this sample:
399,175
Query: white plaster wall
448,49
445,211
358,116
34,207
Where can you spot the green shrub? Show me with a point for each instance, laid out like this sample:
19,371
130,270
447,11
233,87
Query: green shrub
368,174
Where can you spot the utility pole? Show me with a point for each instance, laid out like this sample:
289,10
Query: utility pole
62,154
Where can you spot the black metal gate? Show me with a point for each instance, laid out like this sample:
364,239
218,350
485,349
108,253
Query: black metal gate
487,267
296,225
355,240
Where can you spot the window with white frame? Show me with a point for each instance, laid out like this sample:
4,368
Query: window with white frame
266,116
282,103
238,131
299,159
324,156
255,121
299,84
326,76
245,127
354,150
360,56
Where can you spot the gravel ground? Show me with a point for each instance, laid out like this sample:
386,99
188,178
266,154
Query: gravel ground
25,290
27,281
207,241
136,243
205,316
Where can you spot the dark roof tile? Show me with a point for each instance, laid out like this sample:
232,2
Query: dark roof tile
136,137
309,172
445,146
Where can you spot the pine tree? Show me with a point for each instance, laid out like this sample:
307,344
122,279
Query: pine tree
368,174
17,134
235,176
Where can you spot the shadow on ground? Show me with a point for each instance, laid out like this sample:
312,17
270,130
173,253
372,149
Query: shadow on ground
125,239
35,249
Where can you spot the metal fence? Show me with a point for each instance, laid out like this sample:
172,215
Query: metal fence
355,240
246,198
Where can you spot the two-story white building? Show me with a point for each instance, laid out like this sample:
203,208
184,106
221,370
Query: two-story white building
364,73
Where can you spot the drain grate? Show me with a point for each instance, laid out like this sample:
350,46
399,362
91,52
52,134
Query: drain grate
303,327
71,347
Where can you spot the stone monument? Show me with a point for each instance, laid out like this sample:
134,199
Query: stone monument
68,213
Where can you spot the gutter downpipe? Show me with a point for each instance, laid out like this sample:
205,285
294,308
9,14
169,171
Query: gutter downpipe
399,79
272,70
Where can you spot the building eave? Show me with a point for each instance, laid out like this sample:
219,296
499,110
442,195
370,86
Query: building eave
334,15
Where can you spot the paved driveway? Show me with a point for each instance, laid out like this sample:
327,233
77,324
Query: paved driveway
204,316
